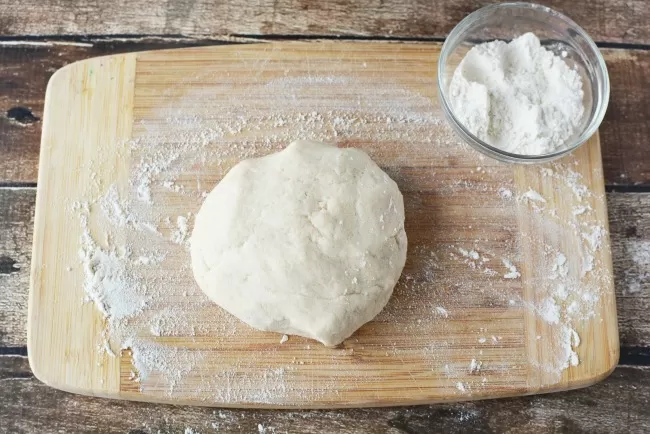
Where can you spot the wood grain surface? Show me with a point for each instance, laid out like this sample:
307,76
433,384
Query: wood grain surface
28,56
25,70
386,95
16,229
605,20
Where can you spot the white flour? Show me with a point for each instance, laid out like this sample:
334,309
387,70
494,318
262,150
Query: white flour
518,96
512,270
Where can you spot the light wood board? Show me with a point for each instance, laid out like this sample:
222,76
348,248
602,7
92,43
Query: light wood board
212,106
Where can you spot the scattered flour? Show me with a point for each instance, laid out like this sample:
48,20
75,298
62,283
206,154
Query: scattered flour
181,233
442,311
505,193
106,280
512,270
550,311
568,289
533,195
132,250
126,240
578,210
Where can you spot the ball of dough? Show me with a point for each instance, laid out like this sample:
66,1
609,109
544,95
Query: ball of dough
308,241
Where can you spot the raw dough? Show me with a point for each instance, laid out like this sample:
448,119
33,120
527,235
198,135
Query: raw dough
309,241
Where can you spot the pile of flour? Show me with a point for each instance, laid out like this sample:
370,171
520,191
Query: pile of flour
518,96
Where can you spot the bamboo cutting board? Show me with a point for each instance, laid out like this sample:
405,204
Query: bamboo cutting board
507,288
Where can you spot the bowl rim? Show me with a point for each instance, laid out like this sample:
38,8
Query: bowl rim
499,153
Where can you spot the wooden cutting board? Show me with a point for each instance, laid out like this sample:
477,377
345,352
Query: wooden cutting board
507,288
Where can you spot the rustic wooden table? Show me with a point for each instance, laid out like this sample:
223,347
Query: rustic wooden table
36,38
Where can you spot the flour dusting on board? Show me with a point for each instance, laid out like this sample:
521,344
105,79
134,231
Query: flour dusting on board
137,268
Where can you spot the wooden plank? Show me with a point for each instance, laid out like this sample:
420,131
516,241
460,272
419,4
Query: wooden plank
629,217
16,228
617,405
625,129
629,220
25,70
605,20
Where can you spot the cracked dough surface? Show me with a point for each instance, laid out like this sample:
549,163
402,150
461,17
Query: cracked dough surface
308,241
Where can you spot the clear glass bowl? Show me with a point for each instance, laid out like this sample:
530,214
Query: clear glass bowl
558,34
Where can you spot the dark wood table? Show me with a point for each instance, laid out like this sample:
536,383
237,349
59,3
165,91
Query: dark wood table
38,37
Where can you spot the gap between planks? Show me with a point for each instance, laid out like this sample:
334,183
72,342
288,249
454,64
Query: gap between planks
90,40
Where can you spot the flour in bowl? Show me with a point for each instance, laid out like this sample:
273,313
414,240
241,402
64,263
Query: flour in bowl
518,96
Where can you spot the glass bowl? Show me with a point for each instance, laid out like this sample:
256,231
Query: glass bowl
558,34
